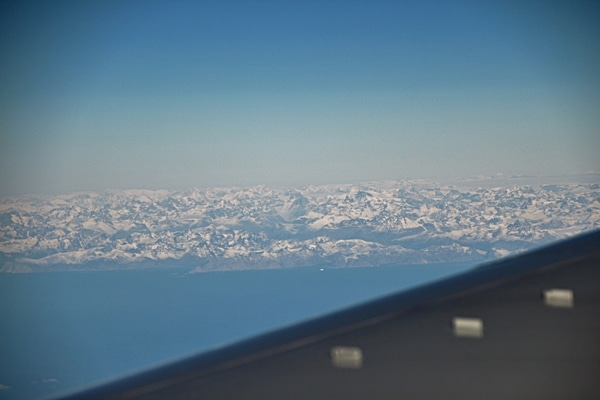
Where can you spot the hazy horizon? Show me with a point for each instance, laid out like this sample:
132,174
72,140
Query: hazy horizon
480,181
171,95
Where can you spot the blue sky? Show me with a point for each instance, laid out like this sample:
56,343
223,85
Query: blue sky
174,94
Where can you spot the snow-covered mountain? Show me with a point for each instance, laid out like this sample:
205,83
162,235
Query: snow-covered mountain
263,227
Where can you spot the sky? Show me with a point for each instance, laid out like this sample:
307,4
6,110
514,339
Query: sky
98,95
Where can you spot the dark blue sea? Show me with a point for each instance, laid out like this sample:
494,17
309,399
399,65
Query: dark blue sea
68,330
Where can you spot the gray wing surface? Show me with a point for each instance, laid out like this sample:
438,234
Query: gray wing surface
526,327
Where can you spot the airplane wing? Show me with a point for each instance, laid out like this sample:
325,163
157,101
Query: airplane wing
526,327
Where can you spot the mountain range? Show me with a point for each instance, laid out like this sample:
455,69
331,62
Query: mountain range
335,225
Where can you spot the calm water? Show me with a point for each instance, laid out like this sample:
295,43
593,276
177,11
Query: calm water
61,331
